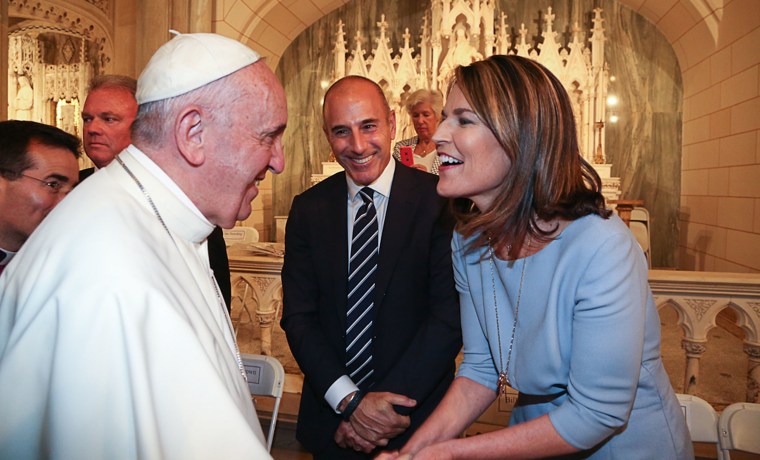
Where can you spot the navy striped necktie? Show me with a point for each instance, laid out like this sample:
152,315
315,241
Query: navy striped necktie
361,289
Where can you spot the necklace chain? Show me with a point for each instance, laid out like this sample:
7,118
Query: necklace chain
241,368
503,380
426,148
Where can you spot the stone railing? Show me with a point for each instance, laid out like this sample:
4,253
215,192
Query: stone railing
256,286
698,298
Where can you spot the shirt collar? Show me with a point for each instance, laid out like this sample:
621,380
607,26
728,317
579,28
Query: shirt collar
177,211
381,185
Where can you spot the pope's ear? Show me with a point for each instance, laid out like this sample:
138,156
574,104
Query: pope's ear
189,133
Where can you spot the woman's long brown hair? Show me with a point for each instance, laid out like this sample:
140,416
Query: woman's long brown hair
528,110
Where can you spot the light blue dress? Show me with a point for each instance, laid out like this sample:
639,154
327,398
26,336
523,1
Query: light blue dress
587,325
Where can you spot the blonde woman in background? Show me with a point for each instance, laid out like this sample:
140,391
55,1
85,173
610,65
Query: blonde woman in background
424,107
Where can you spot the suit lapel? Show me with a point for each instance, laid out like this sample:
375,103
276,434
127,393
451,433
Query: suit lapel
332,215
399,218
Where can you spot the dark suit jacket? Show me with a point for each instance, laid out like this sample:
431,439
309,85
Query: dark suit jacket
217,253
85,173
417,328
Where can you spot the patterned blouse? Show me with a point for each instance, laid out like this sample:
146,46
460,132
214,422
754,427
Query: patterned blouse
412,142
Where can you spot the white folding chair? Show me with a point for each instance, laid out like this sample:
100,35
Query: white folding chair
639,225
701,419
266,377
739,429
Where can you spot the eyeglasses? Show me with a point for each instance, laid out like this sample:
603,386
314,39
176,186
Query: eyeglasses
53,186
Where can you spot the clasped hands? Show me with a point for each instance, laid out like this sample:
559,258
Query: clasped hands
374,422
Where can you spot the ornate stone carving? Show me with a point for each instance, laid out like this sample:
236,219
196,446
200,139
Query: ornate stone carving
755,306
257,291
692,348
66,22
23,53
262,283
64,81
700,306
102,5
753,351
457,32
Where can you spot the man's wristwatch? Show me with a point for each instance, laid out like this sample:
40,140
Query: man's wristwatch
352,405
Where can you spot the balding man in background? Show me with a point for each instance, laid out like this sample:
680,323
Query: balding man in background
109,111
114,339
107,116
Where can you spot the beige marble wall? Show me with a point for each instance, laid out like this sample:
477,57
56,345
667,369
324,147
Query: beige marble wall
124,60
720,182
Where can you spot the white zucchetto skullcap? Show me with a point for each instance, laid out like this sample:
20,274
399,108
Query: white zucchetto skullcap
189,61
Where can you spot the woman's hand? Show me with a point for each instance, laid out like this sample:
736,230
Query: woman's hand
420,167
394,455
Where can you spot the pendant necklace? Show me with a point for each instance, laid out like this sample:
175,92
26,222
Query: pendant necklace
503,381
235,348
425,149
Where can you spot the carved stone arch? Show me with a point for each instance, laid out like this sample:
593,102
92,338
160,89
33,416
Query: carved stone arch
460,9
683,321
748,319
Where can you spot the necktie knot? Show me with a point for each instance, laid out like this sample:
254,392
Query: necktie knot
366,193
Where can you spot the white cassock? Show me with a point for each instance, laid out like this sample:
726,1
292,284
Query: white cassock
113,341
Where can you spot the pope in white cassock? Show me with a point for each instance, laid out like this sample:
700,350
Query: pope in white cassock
114,340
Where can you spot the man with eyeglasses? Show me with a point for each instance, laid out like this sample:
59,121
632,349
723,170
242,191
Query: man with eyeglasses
38,167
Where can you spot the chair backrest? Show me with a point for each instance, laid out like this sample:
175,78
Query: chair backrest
266,377
240,235
639,225
701,418
640,214
739,428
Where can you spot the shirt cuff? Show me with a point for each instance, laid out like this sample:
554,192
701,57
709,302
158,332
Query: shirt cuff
341,388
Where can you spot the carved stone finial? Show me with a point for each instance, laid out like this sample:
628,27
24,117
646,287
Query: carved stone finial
549,19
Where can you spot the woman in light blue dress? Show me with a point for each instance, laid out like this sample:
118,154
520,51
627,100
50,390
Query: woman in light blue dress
553,288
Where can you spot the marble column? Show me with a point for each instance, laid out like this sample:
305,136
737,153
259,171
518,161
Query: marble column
124,61
4,60
153,24
192,15
753,372
694,351
154,19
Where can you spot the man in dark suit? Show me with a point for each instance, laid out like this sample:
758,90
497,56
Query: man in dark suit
107,116
414,333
